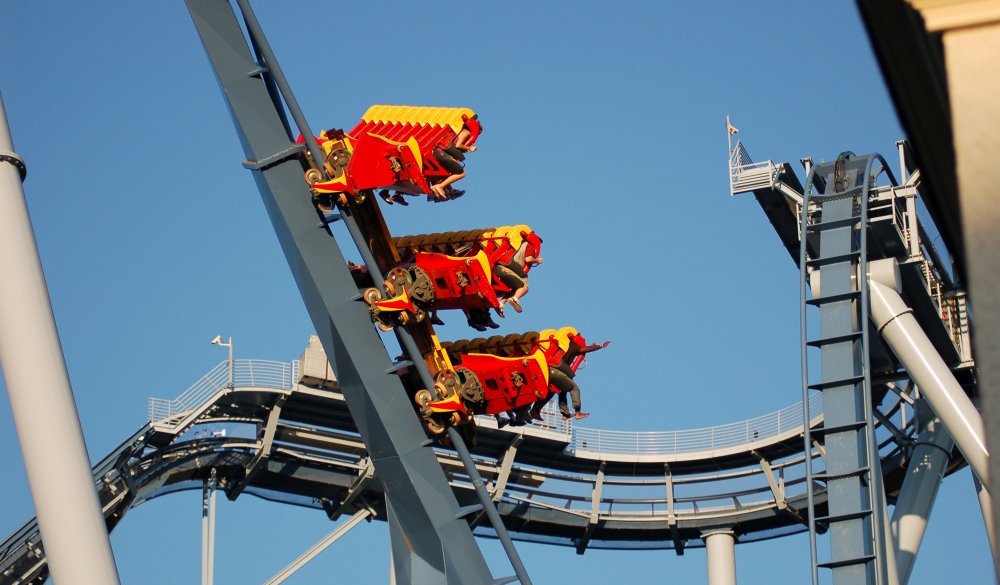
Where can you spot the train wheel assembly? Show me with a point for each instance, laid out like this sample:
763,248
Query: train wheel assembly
313,176
421,287
471,388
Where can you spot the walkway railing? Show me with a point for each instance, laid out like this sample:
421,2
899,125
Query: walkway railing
284,376
748,432
246,374
746,175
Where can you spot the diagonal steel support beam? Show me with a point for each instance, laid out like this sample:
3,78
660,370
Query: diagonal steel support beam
260,458
595,511
505,466
779,495
777,489
487,504
319,547
424,506
672,512
366,475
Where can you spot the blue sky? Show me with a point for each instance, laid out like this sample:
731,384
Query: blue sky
604,131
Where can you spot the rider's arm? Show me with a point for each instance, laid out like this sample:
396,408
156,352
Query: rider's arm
461,141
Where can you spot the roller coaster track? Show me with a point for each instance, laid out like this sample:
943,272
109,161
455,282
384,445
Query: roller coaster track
552,483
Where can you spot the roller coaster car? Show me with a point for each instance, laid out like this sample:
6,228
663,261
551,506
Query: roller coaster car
451,270
512,371
484,384
435,281
392,148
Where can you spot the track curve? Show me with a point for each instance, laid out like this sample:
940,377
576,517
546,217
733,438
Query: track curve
663,494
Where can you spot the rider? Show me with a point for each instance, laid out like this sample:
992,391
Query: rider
450,158
514,274
562,377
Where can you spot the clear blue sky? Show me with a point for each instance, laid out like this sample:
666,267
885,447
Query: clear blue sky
604,131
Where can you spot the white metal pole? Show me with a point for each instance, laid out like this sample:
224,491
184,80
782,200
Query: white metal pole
920,486
204,533
77,547
937,384
986,504
211,528
720,547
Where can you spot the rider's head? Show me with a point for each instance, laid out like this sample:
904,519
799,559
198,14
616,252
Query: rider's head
474,127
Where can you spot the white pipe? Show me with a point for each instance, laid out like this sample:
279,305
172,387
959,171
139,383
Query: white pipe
77,547
986,504
920,487
937,384
211,529
204,534
721,552
892,571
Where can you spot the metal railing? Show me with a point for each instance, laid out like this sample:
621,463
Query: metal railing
744,433
246,374
746,175
284,376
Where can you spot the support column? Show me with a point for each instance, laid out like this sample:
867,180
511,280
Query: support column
77,547
986,505
721,552
208,531
916,498
431,542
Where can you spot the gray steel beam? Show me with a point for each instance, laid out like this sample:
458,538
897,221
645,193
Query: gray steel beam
424,508
595,511
505,467
41,399
675,534
319,547
356,489
491,510
266,442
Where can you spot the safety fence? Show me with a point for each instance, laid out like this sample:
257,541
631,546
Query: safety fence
284,376
245,374
744,433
